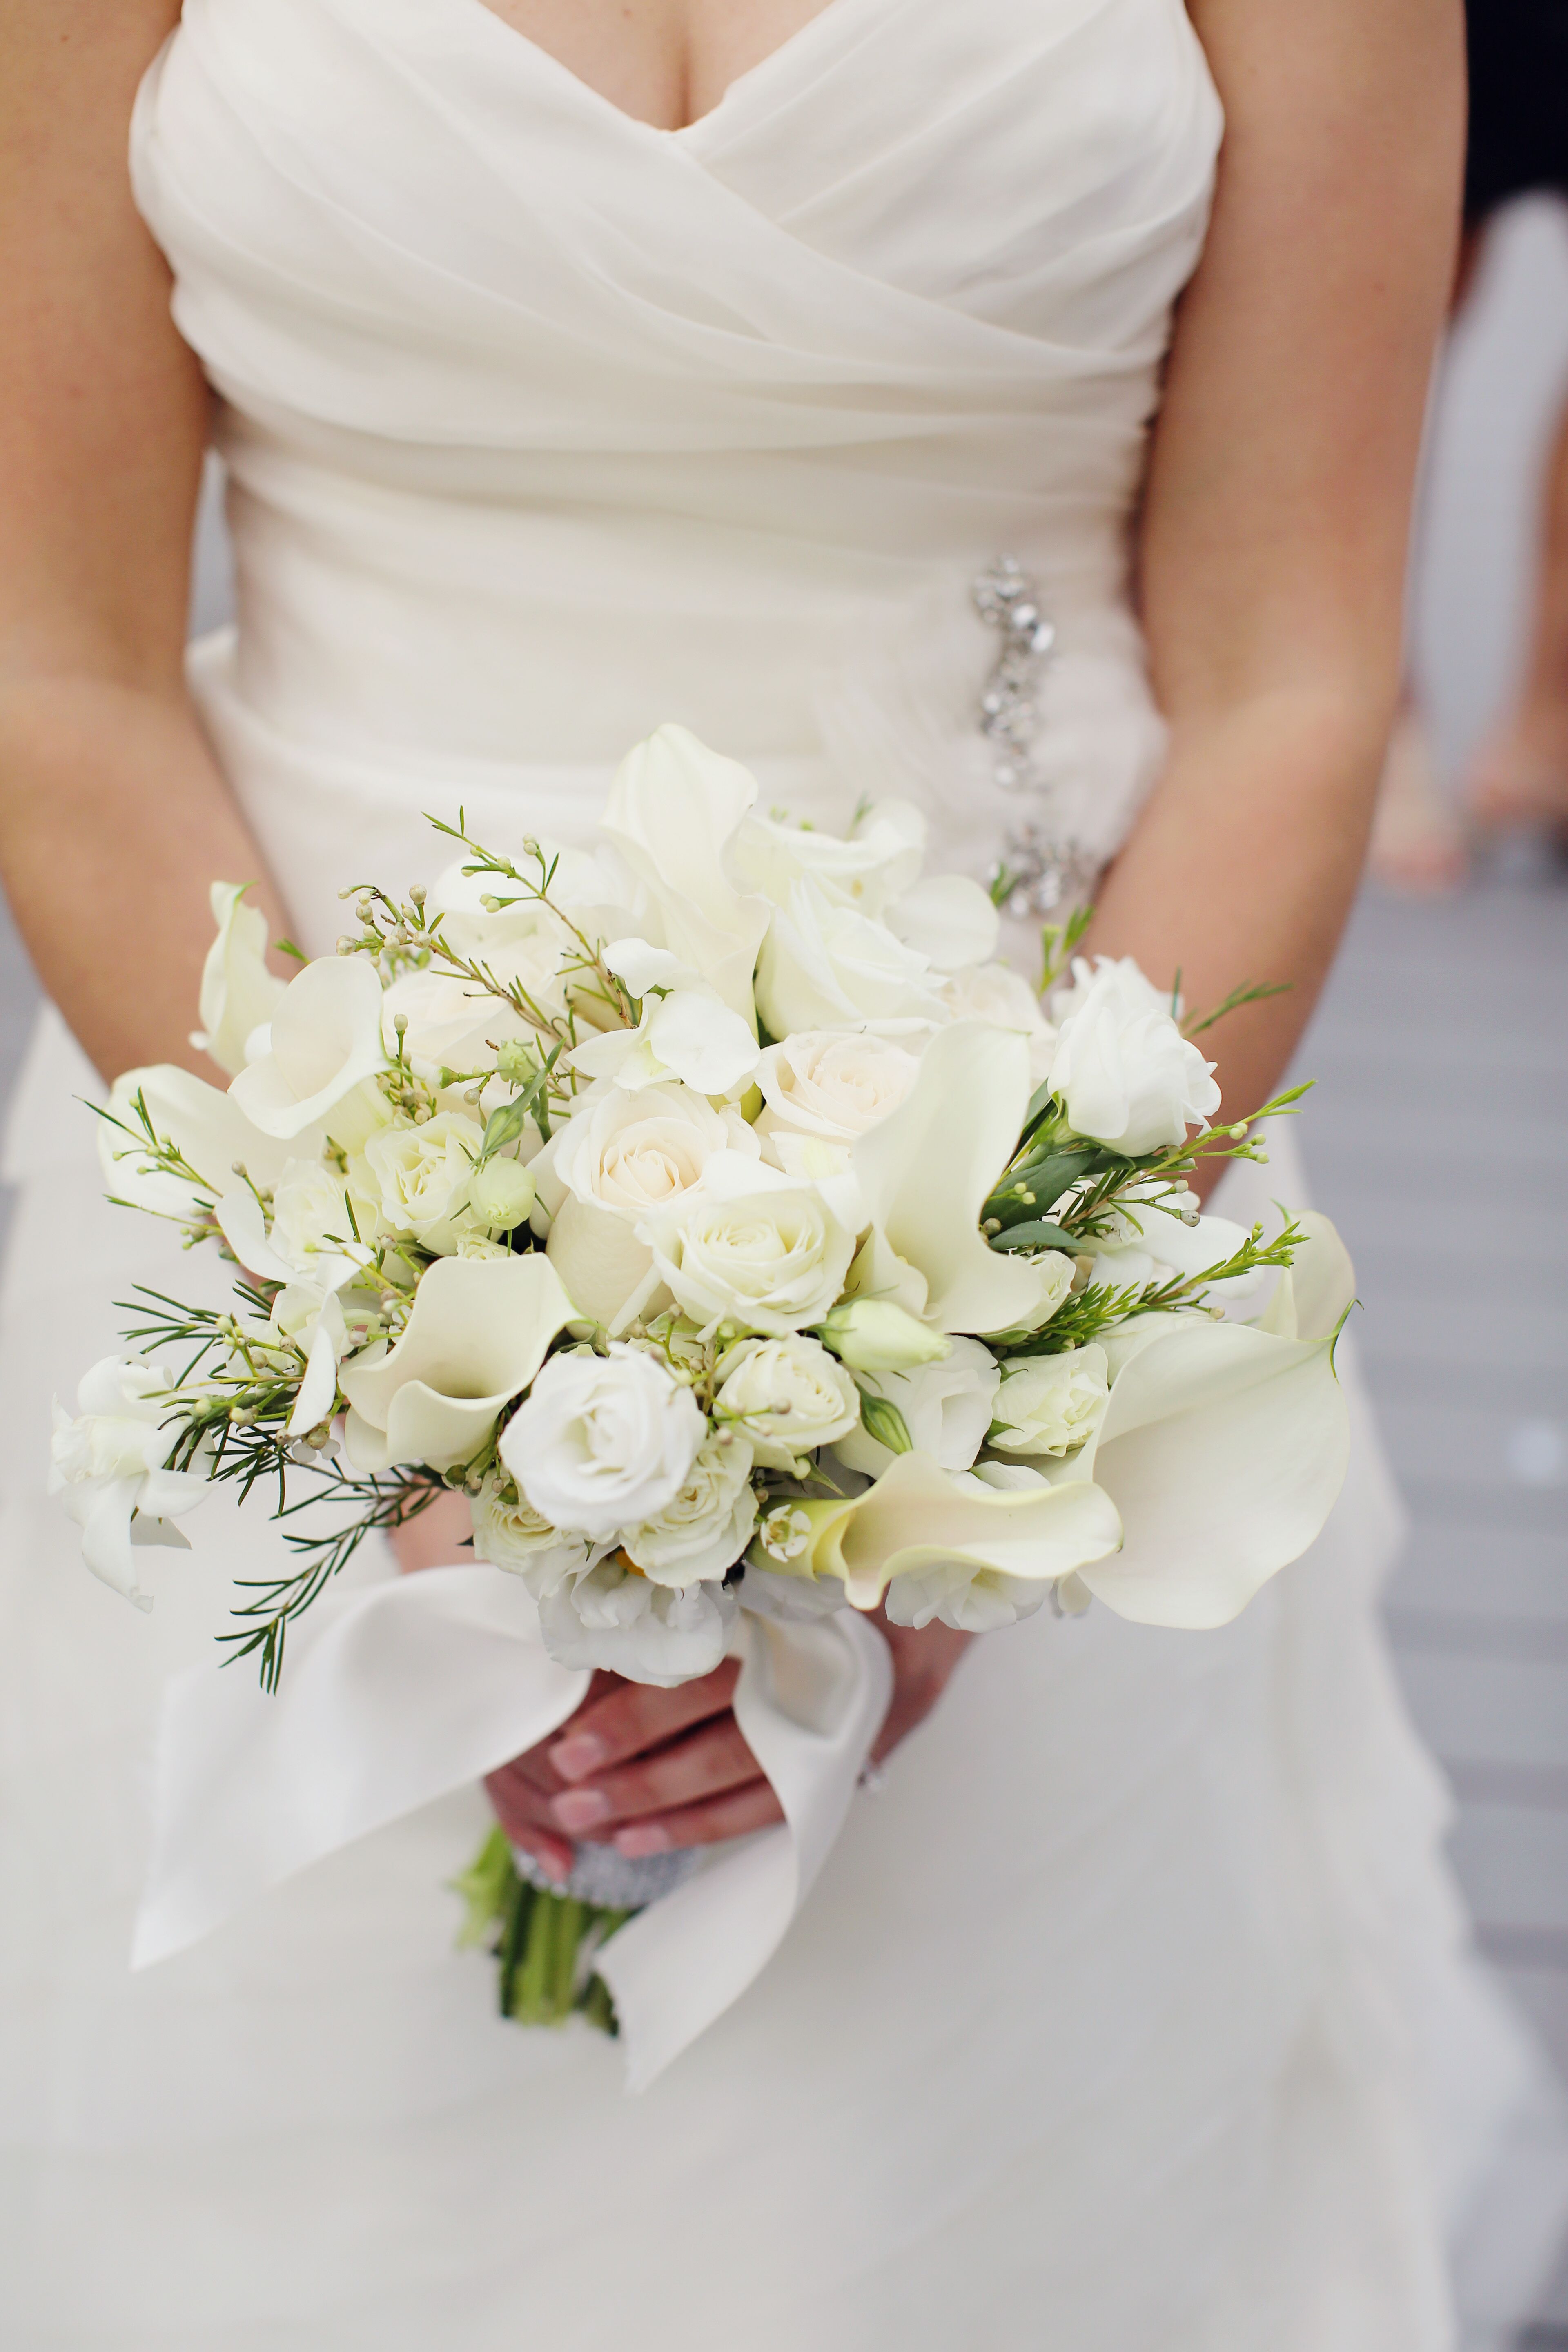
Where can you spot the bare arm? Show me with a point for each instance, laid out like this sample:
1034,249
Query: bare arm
1273,546
113,817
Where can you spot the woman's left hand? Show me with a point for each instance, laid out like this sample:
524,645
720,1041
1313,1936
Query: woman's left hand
647,1769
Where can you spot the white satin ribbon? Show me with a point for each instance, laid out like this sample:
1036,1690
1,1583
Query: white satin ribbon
395,1695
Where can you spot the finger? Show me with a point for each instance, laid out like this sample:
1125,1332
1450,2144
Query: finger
636,1717
712,1757
736,1814
519,1812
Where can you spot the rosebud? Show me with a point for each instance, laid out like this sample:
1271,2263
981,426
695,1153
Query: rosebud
501,1194
872,1335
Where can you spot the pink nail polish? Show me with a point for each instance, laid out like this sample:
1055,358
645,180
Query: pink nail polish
578,1755
581,1809
643,1839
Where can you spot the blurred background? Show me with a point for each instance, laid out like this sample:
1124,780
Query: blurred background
1438,1142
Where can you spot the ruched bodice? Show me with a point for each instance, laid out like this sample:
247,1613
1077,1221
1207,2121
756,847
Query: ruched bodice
545,425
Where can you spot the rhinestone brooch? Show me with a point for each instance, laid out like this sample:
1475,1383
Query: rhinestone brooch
1034,873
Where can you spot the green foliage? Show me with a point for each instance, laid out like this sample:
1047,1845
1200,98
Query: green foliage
544,1944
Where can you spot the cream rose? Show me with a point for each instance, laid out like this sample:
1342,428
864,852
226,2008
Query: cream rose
511,1534
752,1249
1051,1405
705,1528
789,1395
420,1177
827,1084
602,1442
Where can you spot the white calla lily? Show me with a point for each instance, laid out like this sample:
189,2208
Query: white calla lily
207,1128
925,1172
918,1516
239,993
326,1044
1223,1447
479,1332
673,808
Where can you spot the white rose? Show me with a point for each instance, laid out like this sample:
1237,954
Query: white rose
878,862
1139,991
703,1531
995,992
107,1464
946,1407
825,1083
323,1052
420,1177
790,1395
963,1592
313,1223
513,1535
1051,1405
619,1622
752,1249
1122,1070
618,1157
239,993
825,966
602,1442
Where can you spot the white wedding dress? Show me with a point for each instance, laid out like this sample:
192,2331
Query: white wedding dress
1136,2014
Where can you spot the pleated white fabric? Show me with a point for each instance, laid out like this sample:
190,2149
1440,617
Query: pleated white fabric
1110,2025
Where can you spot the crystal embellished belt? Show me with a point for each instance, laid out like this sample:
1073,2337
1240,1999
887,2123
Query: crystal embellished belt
1033,873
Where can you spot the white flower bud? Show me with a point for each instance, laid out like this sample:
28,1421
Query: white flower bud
874,1335
501,1194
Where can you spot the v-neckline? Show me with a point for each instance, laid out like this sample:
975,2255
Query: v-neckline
776,58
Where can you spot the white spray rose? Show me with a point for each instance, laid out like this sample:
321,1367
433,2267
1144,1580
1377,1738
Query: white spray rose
239,993
704,1530
752,1249
995,992
825,966
616,1620
946,1407
1051,1405
789,1395
420,1177
827,1084
878,862
107,1462
513,1535
1122,1070
602,1442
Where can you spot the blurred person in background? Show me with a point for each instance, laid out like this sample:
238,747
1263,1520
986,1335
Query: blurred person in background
1518,146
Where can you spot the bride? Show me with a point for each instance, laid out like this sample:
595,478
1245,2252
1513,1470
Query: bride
577,366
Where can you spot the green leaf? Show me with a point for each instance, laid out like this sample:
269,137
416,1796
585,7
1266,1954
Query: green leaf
287,947
1039,1233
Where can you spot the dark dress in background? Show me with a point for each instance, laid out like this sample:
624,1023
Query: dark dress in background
1519,101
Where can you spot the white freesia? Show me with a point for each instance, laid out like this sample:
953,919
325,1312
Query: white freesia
207,1128
995,992
752,1248
602,1442
690,1035
947,1409
702,1531
789,1395
918,1518
107,1464
1122,1070
825,1083
420,1177
611,1618
617,1158
476,1336
673,808
962,1590
925,1173
1048,1404
324,1053
511,1534
825,965
239,993
880,861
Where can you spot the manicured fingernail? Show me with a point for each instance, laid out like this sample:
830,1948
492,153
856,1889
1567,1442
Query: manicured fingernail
554,1866
579,1809
578,1755
646,1837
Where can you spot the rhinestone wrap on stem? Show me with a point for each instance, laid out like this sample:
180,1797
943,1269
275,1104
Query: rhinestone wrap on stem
1036,873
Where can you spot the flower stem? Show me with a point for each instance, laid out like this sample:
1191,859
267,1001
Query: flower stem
544,1944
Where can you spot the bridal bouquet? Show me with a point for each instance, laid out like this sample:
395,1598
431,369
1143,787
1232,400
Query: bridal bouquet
720,1217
